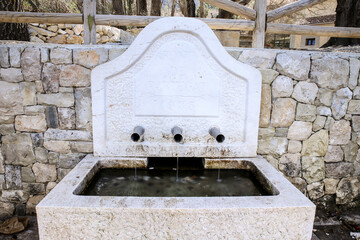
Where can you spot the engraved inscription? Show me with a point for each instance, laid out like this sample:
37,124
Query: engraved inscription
177,82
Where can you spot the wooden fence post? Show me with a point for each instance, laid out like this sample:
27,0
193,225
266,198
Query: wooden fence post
89,21
260,24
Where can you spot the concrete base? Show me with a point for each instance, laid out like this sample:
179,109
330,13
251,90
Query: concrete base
62,214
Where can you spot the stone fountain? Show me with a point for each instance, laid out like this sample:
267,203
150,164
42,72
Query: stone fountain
175,74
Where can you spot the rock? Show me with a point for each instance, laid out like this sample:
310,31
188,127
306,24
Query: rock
299,183
66,90
50,186
39,87
62,173
74,40
313,169
319,123
28,92
126,37
282,86
350,150
336,69
17,149
299,130
78,29
75,76
347,190
83,108
258,58
305,92
266,132
356,123
50,78
6,129
36,39
13,177
53,157
67,135
334,154
11,101
42,31
52,117
340,133
6,210
81,147
30,64
11,75
115,52
316,145
59,39
69,161
44,55
294,146
57,146
53,28
315,190
283,113
31,204
340,102
305,112
275,146
6,119
290,164
15,56
27,175
338,170
37,139
66,118
41,155
325,96
90,58
34,188
356,93
57,99
61,56
265,107
354,72
35,123
323,111
329,123
281,132
330,185
44,172
4,57
14,196
31,110
288,64
354,107
273,161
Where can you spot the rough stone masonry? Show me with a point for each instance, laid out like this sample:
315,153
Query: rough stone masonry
309,122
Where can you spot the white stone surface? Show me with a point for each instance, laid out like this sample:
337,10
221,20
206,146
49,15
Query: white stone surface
64,215
175,73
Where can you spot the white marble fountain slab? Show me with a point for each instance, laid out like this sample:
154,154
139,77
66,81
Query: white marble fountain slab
289,215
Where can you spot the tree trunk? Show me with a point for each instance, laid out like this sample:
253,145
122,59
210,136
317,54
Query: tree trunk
141,8
201,9
173,8
190,6
13,31
155,8
118,7
347,15
229,15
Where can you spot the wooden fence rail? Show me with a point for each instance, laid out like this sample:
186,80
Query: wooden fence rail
260,26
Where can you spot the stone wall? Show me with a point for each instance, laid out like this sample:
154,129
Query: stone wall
74,34
309,124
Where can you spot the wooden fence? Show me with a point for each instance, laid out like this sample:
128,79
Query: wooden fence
259,20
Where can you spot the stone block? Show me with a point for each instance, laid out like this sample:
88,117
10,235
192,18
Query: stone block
313,169
340,102
15,56
11,75
4,57
45,55
61,56
27,175
330,185
83,108
356,123
52,118
37,139
258,58
290,164
340,133
57,99
282,86
69,161
31,110
323,111
305,112
44,172
354,107
350,151
67,118
315,190
11,100
288,64
57,146
356,93
41,155
14,196
319,123
50,78
334,154
299,130
7,119
67,135
294,146
265,107
28,92
275,146
90,58
338,170
7,129
347,190
326,68
34,188
316,145
50,186
31,204
283,113
17,149
30,64
74,76
281,132
81,147
325,96
13,177
115,52
354,72
266,133
305,92
35,123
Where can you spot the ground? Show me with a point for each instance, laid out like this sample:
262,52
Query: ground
329,225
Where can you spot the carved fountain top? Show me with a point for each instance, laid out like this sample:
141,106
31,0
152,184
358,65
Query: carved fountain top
176,72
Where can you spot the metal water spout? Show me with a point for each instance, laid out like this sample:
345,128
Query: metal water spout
177,133
137,134
215,132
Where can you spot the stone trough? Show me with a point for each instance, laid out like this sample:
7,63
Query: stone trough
176,73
